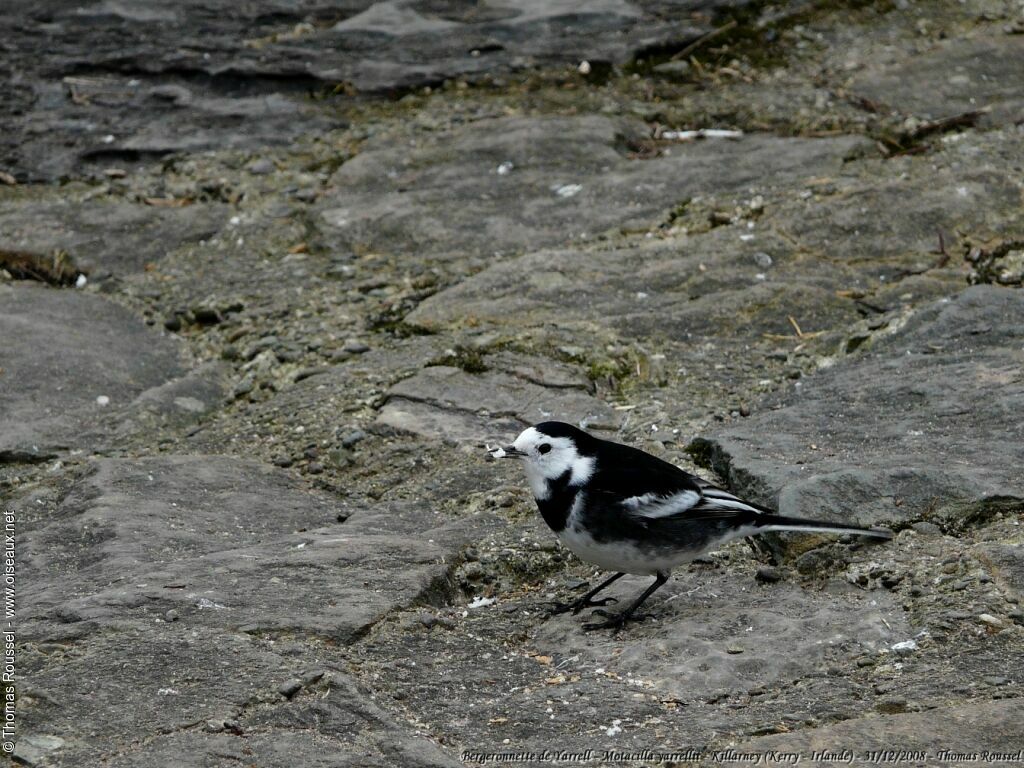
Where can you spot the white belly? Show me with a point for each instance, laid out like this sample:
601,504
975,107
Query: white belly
622,556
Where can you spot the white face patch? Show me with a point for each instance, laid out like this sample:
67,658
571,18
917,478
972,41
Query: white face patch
548,458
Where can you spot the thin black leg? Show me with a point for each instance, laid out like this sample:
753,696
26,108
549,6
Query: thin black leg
586,601
616,620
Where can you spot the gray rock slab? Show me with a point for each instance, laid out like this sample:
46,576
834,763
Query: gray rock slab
540,370
134,539
891,227
924,422
720,634
108,83
705,285
186,400
976,727
105,237
1006,562
516,184
842,233
449,403
63,350
172,694
74,124
958,75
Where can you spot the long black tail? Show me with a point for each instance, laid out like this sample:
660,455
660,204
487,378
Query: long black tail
783,523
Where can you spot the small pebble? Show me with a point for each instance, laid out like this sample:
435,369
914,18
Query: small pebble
352,438
305,373
768,574
905,648
261,167
310,677
171,615
206,315
355,347
289,688
891,706
341,457
244,387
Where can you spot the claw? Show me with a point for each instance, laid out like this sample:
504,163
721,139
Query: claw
616,621
557,608
578,605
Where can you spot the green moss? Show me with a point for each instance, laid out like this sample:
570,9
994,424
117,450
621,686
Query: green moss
607,369
397,327
957,517
469,360
702,452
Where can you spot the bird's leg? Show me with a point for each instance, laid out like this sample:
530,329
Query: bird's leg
586,600
617,620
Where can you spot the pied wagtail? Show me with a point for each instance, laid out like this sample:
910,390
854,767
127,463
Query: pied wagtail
630,512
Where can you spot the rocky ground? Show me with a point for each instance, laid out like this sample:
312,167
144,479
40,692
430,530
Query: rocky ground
273,274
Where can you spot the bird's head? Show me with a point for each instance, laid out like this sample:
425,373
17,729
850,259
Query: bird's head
550,451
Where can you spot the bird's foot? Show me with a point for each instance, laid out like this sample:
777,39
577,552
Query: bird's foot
578,605
615,621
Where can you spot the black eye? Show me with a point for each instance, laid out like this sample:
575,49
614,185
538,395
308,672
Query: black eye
543,448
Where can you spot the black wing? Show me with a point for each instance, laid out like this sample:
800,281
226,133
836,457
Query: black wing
648,489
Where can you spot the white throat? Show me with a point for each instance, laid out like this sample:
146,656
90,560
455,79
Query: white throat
541,478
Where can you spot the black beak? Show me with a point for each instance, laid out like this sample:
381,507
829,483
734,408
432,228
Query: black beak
508,452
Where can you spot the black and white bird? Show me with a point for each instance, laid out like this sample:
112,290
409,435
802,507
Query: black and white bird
627,511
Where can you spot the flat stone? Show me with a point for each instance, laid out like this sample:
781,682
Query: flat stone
901,432
104,84
654,291
137,538
858,224
105,237
447,402
977,727
66,352
540,370
1006,562
133,696
958,75
185,400
716,635
571,180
